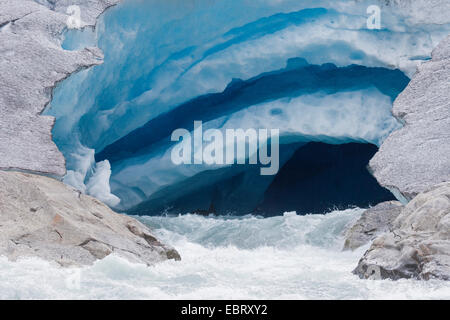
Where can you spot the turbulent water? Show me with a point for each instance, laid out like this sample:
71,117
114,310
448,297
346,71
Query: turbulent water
284,257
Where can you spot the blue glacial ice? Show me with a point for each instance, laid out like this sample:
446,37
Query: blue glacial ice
310,68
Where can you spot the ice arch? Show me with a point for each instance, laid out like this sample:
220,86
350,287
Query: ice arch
310,68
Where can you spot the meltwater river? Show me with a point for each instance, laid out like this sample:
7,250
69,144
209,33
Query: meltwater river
284,257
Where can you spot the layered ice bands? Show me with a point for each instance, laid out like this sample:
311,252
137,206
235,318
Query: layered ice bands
311,69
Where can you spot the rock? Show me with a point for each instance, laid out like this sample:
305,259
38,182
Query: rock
42,217
373,222
32,63
416,157
418,246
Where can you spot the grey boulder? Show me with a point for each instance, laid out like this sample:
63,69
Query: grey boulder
42,217
418,245
416,157
372,223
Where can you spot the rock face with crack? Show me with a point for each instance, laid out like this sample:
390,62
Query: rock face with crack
42,217
416,157
32,62
418,246
373,222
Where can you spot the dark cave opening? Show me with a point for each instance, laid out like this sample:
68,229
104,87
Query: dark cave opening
320,177
314,178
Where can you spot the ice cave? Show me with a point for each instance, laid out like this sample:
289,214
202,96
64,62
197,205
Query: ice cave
315,72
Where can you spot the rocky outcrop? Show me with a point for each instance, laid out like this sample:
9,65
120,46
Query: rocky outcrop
411,162
32,62
418,246
42,217
416,157
373,222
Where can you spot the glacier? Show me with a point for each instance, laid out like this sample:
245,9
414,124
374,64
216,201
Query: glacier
310,68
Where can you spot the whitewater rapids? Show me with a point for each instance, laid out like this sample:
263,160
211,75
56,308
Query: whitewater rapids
284,257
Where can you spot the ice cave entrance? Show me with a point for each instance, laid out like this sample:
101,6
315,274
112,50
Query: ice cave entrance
315,73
